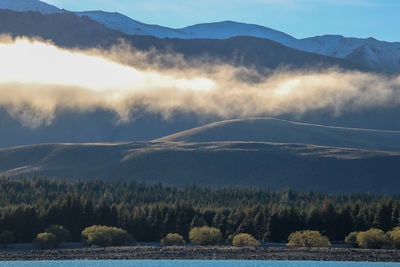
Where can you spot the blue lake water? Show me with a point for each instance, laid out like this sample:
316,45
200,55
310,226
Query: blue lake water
192,263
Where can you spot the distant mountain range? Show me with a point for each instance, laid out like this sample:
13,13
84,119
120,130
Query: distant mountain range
370,53
68,30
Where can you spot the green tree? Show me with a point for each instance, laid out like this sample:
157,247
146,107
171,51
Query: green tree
198,221
6,238
383,217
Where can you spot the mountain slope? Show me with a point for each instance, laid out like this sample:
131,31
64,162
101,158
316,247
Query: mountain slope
266,165
282,131
28,5
119,22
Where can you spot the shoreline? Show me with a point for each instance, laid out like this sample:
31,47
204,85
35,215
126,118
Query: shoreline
206,253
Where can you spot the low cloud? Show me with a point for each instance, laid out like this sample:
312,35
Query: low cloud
37,79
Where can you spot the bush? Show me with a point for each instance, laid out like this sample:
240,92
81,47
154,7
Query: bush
204,236
351,239
173,240
45,240
106,236
6,238
245,240
394,237
308,239
373,238
61,234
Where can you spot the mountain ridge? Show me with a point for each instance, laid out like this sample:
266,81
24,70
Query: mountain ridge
284,131
379,55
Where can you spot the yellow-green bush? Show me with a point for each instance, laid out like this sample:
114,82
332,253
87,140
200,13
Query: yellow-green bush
106,236
204,236
351,239
245,240
61,234
373,238
394,237
173,240
46,240
308,238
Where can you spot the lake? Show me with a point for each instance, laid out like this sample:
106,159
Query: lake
192,263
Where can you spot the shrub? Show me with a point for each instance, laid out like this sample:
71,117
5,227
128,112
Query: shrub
205,236
373,238
394,237
308,239
173,240
245,240
6,238
61,234
106,236
351,239
45,240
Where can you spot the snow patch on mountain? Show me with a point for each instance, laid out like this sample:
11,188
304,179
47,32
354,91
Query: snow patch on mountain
228,29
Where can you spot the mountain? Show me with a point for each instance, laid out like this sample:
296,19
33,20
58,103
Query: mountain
378,55
122,23
28,5
266,165
283,131
67,29
370,53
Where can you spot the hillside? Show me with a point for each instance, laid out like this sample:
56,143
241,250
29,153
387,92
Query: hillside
283,131
266,165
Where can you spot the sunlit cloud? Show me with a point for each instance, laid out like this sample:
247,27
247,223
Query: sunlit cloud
37,79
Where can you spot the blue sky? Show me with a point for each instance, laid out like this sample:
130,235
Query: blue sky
300,18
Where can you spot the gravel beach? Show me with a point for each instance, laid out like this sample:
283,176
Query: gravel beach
217,253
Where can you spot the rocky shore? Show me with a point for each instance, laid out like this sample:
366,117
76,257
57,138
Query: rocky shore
206,253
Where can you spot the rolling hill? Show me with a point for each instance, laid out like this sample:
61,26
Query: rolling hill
283,131
254,164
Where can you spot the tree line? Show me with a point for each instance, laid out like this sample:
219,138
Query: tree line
149,212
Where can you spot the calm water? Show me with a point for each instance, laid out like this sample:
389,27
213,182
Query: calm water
169,263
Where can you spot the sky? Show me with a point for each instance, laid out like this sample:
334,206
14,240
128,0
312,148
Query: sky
300,18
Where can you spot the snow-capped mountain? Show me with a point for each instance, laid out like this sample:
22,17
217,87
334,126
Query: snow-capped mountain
122,23
375,54
228,29
372,53
28,5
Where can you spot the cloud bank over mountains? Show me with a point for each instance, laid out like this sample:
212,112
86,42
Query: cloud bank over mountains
37,79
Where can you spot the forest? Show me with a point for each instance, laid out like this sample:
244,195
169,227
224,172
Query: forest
150,211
